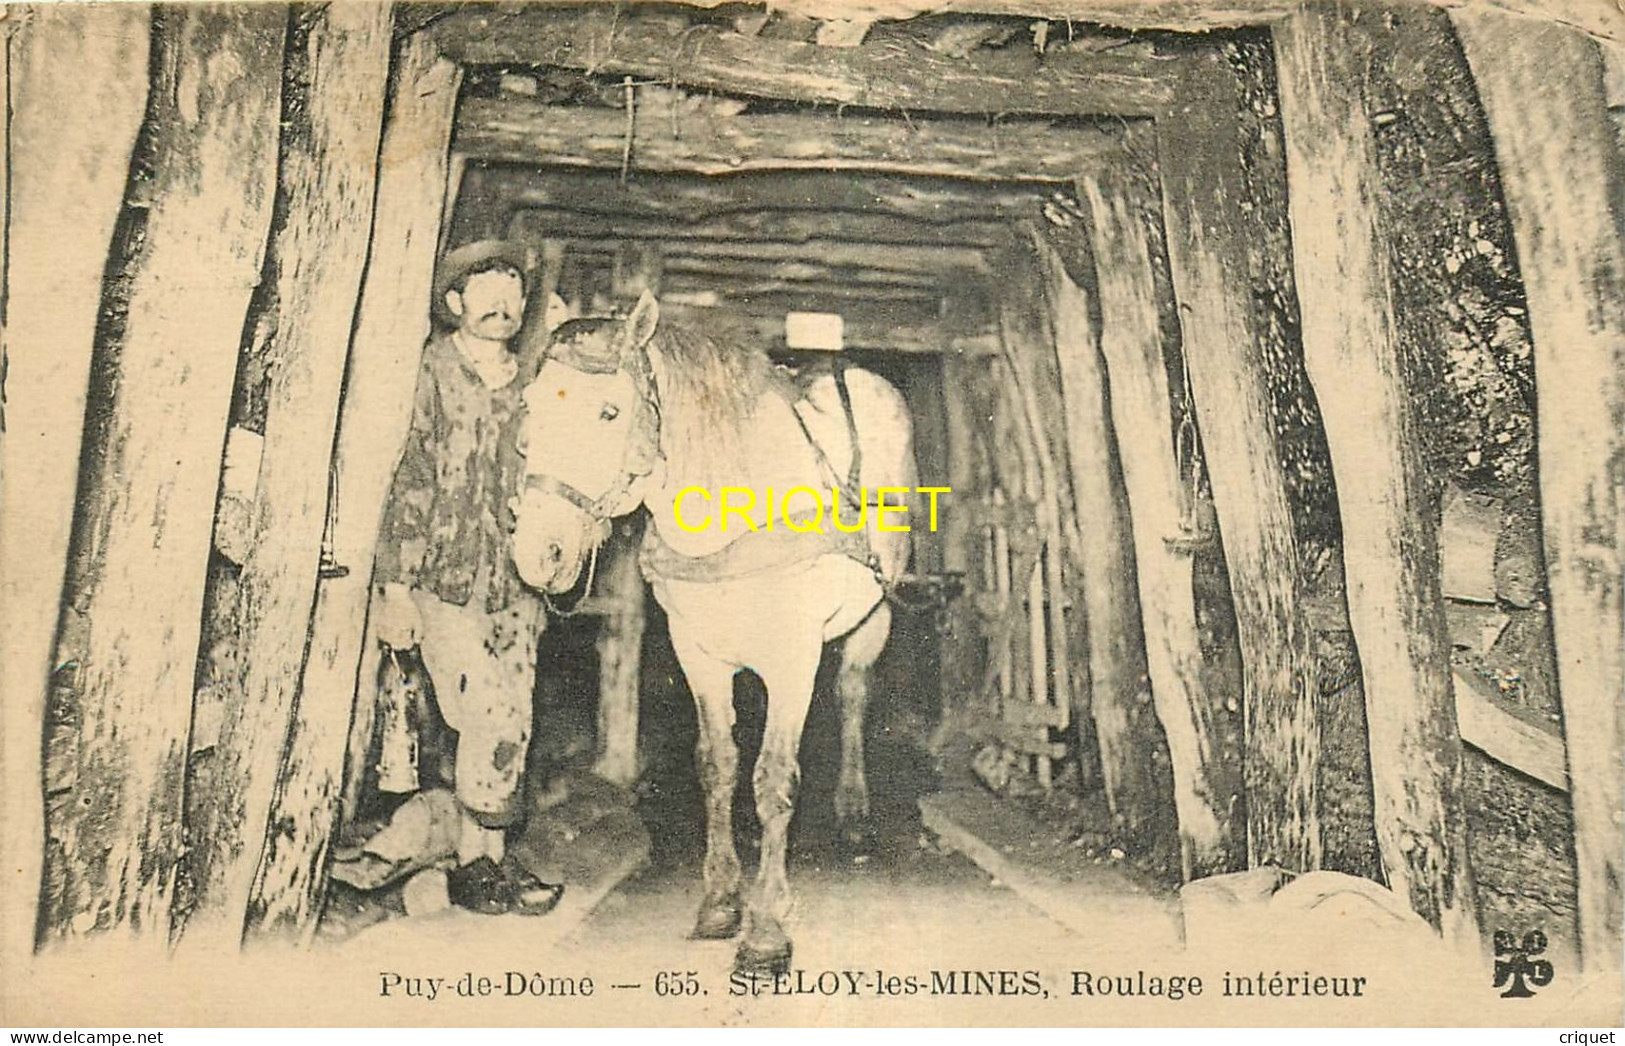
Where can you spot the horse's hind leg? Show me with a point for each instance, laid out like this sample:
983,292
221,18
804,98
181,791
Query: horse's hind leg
858,655
717,760
789,679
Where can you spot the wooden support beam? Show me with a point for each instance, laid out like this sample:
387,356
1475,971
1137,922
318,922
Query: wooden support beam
1201,16
1208,241
858,334
620,648
791,273
146,516
794,272
890,258
691,198
764,226
318,250
620,634
1389,519
961,659
863,307
1503,737
1025,327
838,292
1159,522
1115,650
904,76
522,130
1543,91
1613,70
67,167
391,327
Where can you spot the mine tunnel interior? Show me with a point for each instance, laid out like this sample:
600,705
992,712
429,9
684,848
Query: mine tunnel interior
1216,589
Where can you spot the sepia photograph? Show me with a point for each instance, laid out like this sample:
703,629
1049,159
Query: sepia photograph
867,513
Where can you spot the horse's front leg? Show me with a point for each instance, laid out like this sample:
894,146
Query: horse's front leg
858,655
717,759
788,676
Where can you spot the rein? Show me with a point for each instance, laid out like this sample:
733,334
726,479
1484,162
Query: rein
576,607
542,483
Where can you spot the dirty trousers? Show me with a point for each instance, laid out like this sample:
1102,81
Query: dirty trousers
483,666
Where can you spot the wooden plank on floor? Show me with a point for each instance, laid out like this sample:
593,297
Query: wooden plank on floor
1002,840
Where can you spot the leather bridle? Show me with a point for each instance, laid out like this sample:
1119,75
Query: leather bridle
541,483
596,509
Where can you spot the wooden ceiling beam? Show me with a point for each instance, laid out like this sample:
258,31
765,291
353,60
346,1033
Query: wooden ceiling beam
858,334
681,199
792,273
899,75
522,130
784,262
896,258
733,288
783,227
1600,20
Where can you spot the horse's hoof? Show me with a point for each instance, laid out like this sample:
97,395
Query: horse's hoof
719,919
767,961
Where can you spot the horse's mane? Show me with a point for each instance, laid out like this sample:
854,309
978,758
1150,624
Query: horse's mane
711,382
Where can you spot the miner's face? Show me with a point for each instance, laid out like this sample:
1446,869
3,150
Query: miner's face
491,304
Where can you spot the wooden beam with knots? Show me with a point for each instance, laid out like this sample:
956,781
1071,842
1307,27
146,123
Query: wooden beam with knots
768,226
517,129
830,195
1603,20
899,76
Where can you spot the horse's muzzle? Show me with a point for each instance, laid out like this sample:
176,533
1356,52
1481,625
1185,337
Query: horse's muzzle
546,567
543,564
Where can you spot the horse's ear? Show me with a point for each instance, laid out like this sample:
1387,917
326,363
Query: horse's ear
640,327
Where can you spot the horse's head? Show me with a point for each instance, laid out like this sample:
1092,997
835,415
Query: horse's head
590,435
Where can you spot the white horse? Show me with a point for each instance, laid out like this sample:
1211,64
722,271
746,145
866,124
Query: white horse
634,411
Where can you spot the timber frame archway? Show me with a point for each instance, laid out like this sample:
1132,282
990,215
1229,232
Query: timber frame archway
332,227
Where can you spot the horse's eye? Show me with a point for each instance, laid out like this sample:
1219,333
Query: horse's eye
610,412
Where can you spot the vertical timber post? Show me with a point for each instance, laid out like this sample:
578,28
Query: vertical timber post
1027,333
961,548
1198,153
385,350
1390,544
1131,346
146,518
1543,90
66,169
328,172
1116,664
620,633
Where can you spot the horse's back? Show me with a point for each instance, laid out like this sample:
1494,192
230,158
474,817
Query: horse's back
885,430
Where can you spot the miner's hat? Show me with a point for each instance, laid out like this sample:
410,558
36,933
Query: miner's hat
476,257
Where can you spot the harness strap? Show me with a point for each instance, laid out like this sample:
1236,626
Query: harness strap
854,470
545,484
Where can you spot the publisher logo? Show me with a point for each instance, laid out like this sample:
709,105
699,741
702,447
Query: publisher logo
1516,967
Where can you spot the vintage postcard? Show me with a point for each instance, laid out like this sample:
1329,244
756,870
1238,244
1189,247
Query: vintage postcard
1087,513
